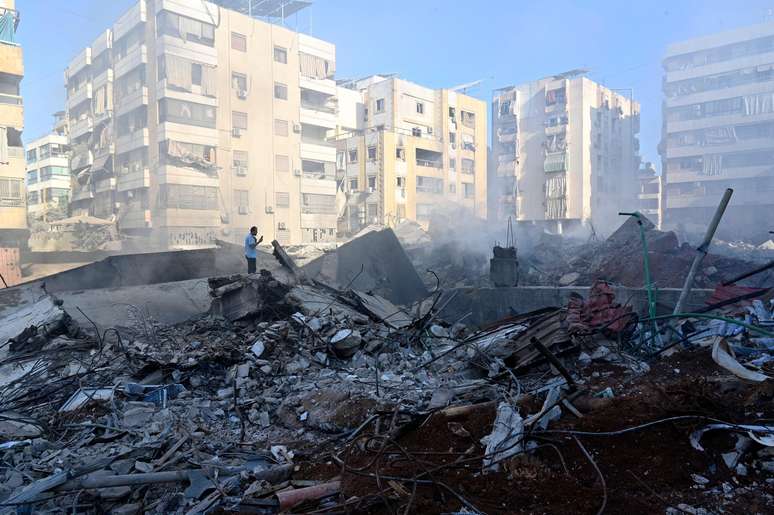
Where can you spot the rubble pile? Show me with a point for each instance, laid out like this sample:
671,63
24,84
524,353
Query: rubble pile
298,395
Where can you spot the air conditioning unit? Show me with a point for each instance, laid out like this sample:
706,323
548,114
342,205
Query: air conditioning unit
269,210
371,190
429,130
236,132
241,171
297,172
243,210
242,94
281,226
297,128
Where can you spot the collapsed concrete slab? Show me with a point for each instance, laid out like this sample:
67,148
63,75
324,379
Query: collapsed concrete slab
375,262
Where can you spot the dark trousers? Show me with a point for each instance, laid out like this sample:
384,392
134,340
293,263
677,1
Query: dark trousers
250,265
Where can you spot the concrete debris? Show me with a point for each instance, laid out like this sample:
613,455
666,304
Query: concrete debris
318,389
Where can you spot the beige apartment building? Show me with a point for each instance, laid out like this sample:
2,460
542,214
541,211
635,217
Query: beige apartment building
13,211
565,153
718,132
191,122
405,150
48,175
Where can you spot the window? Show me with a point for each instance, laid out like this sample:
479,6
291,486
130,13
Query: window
238,42
372,210
242,200
317,203
184,196
372,183
400,182
239,82
280,127
282,199
453,138
365,114
353,185
281,163
469,190
280,55
416,131
133,161
452,113
59,195
380,105
372,153
429,184
452,188
468,119
32,197
172,24
468,166
188,113
190,155
280,91
47,172
353,156
420,108
32,155
400,153
453,163
196,74
132,121
239,162
239,120
32,177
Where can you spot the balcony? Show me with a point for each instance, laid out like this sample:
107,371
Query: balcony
81,127
79,62
11,60
319,115
429,158
11,110
105,185
137,14
102,43
138,139
134,179
132,101
134,57
82,94
318,151
102,79
325,86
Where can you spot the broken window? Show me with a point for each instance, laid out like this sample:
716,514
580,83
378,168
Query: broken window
468,119
193,155
239,83
556,96
280,55
188,113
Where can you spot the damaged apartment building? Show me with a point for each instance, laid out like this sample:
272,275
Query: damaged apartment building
719,130
13,211
565,153
404,149
191,122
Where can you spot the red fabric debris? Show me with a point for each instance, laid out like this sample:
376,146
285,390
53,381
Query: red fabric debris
600,311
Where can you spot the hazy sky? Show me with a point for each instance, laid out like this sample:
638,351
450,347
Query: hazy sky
437,43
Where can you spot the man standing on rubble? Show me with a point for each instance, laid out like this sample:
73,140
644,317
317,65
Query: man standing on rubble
250,249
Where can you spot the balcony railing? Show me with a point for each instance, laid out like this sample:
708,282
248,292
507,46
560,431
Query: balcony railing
10,99
429,164
319,107
9,20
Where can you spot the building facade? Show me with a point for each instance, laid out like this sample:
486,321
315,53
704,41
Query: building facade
405,150
48,176
649,199
719,131
190,122
565,152
13,210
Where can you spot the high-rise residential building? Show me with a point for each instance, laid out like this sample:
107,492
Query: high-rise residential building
48,175
13,211
719,131
191,122
405,150
565,152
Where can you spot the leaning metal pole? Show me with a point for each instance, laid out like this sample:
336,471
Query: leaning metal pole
701,251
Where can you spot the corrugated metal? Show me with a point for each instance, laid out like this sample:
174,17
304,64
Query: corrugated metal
10,266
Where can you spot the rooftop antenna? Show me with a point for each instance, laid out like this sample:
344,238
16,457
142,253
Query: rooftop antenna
463,88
